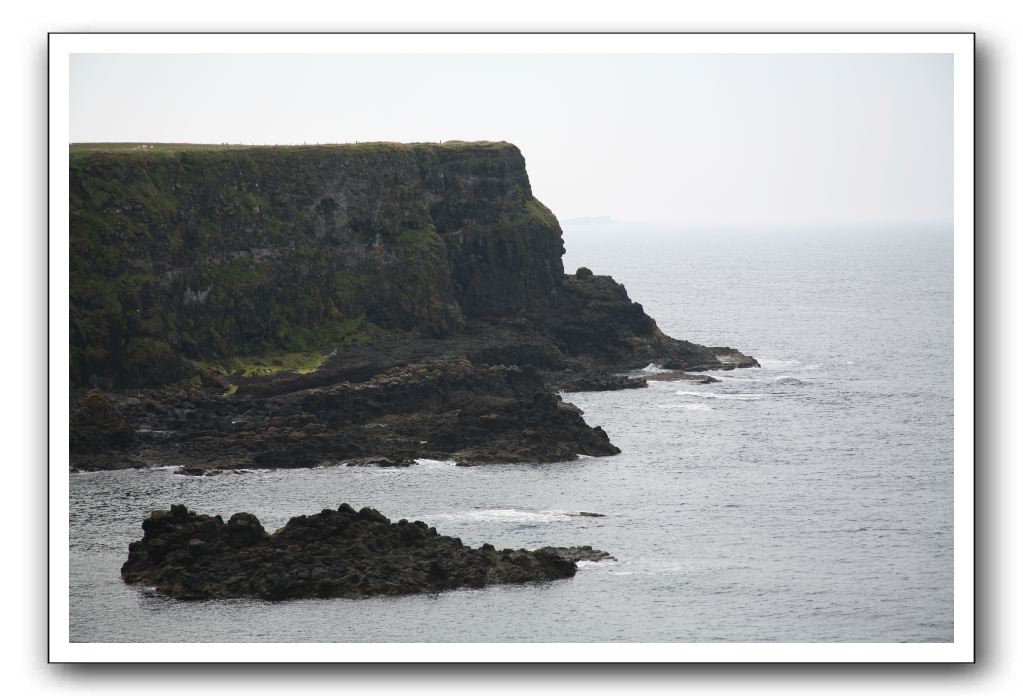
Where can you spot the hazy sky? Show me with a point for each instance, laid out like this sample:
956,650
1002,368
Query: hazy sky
732,139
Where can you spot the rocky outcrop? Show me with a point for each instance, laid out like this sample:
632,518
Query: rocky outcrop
678,376
595,380
97,424
579,553
592,319
334,553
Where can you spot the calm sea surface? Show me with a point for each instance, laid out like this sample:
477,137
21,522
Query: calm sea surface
810,500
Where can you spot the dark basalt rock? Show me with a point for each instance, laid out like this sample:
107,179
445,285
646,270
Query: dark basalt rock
598,380
678,376
96,424
334,553
719,358
578,553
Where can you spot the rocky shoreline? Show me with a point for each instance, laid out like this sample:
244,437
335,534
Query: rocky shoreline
334,553
489,395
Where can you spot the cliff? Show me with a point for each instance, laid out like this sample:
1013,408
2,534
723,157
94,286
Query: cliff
289,306
204,253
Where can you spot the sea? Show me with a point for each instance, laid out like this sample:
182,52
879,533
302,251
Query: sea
809,500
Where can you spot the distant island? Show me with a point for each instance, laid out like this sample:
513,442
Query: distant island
237,307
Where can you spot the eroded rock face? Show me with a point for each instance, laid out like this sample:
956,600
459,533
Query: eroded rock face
203,254
423,284
334,553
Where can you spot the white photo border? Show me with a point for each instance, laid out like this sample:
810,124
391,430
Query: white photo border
960,45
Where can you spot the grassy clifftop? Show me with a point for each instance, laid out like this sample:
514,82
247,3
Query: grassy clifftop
76,149
188,253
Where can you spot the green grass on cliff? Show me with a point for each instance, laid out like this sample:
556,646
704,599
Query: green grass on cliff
541,212
325,337
325,334
257,365
417,239
79,149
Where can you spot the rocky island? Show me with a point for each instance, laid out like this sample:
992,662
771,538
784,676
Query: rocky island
238,307
334,553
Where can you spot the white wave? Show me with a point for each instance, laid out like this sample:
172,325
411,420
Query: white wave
731,377
583,565
651,369
509,515
789,379
434,463
688,407
711,395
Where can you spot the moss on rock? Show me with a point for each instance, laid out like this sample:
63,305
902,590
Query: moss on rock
210,252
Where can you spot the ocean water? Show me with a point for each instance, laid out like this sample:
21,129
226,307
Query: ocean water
806,501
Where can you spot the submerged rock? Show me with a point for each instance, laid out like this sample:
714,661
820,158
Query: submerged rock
196,471
334,553
678,376
578,553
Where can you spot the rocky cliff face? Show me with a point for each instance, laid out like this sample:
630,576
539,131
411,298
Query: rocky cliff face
185,253
281,307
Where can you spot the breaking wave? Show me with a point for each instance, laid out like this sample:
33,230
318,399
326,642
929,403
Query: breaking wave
711,395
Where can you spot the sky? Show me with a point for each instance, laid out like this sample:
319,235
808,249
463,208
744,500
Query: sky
708,139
